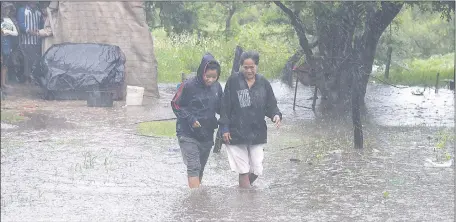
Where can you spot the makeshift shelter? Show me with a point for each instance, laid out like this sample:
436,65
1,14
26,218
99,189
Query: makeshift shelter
117,23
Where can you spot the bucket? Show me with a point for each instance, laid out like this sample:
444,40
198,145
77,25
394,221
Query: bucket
134,96
99,99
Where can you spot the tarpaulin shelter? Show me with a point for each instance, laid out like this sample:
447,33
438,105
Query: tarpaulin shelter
116,23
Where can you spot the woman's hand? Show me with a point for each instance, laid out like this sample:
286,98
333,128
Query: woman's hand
196,124
277,120
227,138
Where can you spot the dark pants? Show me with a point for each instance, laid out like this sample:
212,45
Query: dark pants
195,155
32,55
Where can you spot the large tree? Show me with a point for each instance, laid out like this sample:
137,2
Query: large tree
347,35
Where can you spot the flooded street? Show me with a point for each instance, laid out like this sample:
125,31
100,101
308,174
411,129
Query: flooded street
68,162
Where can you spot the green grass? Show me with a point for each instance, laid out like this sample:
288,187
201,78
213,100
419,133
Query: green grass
183,53
157,128
422,71
11,117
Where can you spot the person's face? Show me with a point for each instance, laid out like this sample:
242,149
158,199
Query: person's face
210,76
6,12
32,4
249,69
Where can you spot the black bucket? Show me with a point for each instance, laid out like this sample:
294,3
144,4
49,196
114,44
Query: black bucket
100,99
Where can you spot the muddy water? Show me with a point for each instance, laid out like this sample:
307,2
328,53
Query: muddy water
68,162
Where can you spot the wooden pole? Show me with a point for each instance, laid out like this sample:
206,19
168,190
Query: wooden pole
356,114
388,55
296,92
388,61
437,84
314,99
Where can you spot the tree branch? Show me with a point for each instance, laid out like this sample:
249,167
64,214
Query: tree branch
313,44
299,28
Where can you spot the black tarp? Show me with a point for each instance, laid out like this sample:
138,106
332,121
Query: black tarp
81,68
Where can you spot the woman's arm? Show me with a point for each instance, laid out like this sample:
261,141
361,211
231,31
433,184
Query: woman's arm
271,102
225,109
180,105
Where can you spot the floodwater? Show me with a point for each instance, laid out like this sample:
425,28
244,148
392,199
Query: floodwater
69,162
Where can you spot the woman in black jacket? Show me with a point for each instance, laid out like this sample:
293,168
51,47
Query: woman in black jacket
248,98
195,105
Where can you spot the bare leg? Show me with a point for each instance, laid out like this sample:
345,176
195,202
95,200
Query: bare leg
3,78
244,181
193,182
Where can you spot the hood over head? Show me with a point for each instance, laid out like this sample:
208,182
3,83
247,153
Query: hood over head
207,58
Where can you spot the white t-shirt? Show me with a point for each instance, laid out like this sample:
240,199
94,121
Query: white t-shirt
8,27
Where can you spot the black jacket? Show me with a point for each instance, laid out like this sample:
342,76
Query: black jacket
243,110
194,101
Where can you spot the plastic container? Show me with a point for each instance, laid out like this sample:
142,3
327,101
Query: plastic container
135,95
100,99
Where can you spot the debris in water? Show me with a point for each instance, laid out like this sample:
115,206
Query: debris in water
418,92
7,126
174,149
295,160
430,163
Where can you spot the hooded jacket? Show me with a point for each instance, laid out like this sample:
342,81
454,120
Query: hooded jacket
194,101
244,110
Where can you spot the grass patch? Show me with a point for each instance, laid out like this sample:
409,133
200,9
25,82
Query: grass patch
183,53
157,128
417,72
11,117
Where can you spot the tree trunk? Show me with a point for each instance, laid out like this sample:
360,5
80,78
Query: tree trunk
342,47
358,140
237,59
350,30
231,11
388,61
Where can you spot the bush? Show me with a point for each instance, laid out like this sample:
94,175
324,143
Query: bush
421,71
183,53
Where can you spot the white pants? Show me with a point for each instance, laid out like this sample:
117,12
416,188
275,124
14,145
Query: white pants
246,159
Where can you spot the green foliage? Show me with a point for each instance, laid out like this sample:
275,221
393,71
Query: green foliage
423,44
422,71
174,17
11,117
187,50
417,34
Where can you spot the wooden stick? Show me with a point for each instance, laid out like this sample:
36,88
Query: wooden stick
296,91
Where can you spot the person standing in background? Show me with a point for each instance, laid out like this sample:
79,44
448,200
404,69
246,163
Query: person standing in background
30,21
46,33
9,33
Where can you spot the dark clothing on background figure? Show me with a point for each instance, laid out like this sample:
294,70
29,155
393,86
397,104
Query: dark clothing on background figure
243,109
30,20
9,36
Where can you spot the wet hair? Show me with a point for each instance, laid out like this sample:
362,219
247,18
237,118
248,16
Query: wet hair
253,55
7,6
213,66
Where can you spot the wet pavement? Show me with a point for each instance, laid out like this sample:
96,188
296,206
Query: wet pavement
69,162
